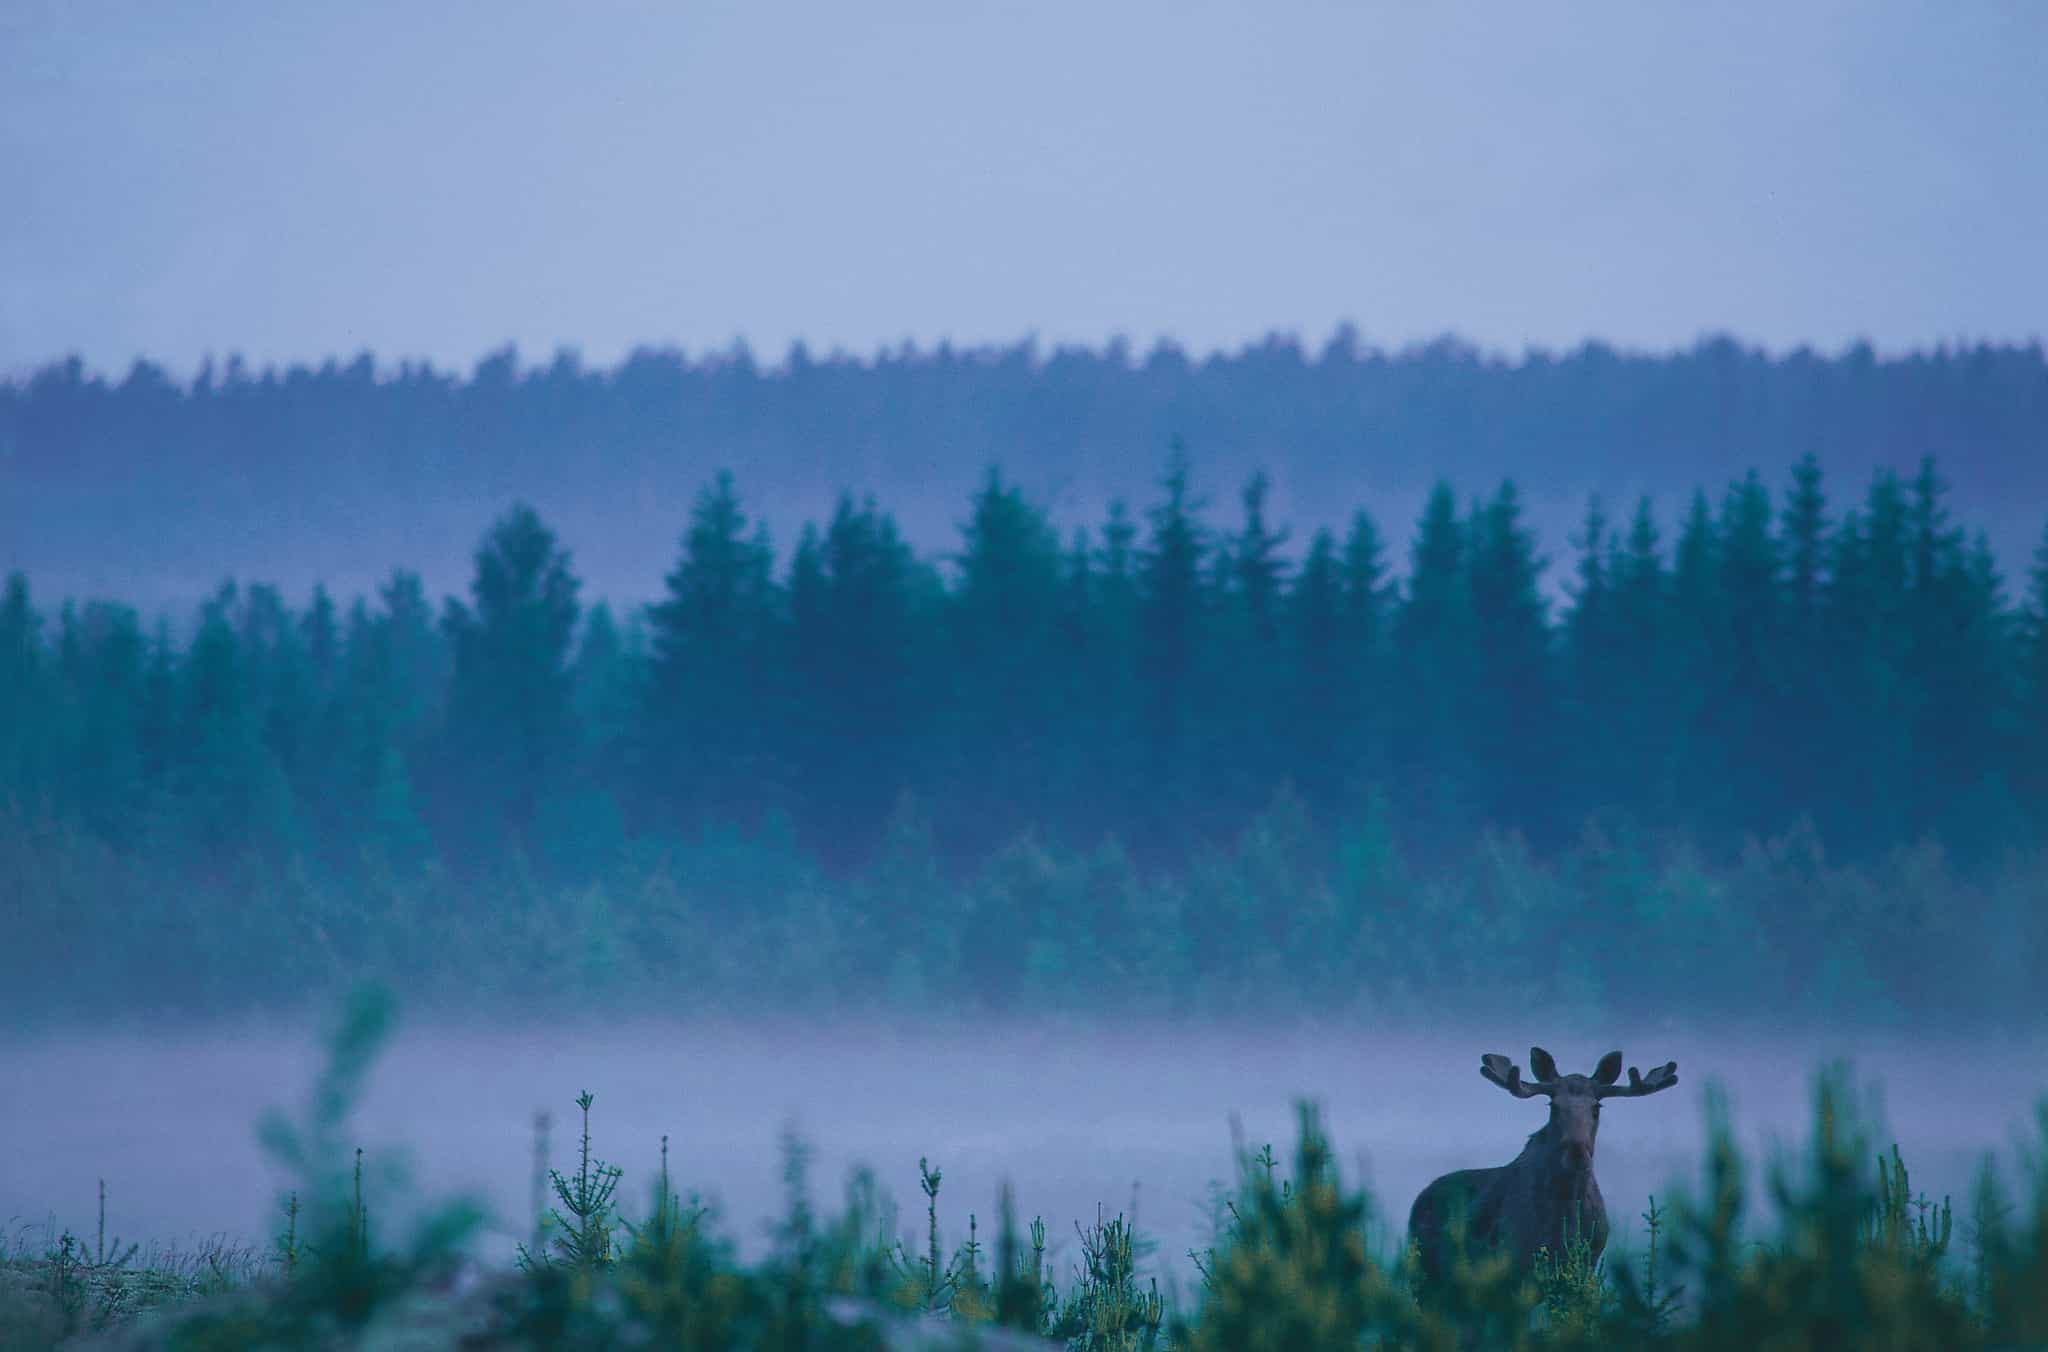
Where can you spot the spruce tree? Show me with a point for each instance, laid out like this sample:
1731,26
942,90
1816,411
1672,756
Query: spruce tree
1955,665
605,693
104,738
231,799
859,603
511,727
1696,672
1321,721
1171,623
21,693
2030,747
1868,632
1432,744
1005,619
1592,666
1800,725
709,702
1650,786
1748,667
1514,706
1112,683
1369,604
1246,750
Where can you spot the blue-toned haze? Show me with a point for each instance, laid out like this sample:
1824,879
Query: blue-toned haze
294,182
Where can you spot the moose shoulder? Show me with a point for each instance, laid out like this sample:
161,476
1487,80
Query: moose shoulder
1547,1194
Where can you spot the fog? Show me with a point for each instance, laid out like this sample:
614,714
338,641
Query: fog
1075,1117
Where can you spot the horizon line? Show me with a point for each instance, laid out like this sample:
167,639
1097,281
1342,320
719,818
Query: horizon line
1344,341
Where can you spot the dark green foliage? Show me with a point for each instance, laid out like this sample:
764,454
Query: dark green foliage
510,735
1513,712
1435,754
1855,1259
1092,775
2032,715
582,1222
1172,601
708,704
1014,618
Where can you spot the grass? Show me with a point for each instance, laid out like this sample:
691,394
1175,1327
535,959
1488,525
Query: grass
1857,1260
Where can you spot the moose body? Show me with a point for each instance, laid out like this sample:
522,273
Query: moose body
1546,1196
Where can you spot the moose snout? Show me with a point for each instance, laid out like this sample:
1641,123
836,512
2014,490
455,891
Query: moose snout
1578,1156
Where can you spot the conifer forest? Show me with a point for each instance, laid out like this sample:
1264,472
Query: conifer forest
1179,757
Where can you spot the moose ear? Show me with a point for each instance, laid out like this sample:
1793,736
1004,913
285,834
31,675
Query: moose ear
1609,1069
1540,1062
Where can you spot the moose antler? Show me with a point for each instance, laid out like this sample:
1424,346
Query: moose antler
1508,1076
1663,1077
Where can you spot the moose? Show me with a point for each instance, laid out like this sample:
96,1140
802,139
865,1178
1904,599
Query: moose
1547,1195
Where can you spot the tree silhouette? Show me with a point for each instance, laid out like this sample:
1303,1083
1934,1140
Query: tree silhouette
511,721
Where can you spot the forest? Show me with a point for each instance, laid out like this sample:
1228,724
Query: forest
1176,760
152,485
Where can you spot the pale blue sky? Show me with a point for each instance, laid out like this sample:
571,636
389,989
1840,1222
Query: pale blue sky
298,180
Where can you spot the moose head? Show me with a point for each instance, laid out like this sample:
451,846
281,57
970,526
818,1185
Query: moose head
1547,1195
1574,1099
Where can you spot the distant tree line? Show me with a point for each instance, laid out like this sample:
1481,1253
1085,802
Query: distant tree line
1771,667
333,470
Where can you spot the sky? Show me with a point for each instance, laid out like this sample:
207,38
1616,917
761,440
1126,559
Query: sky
292,182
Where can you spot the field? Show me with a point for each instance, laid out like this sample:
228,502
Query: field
1842,1246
